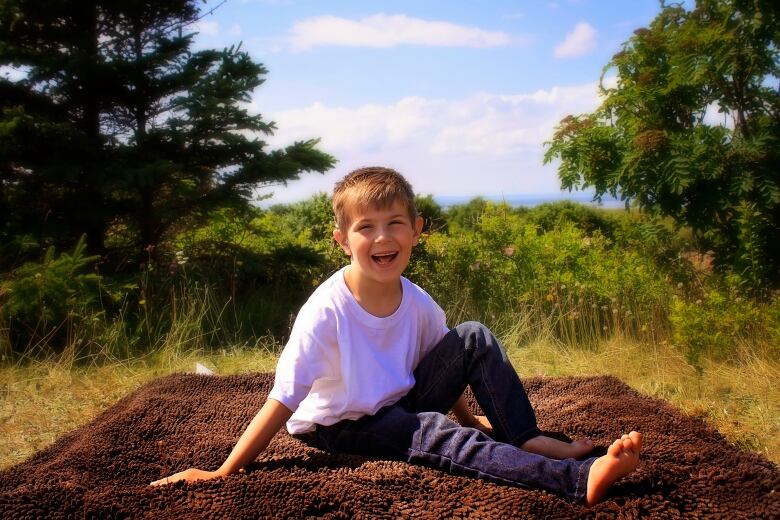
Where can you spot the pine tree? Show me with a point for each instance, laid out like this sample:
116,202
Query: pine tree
117,127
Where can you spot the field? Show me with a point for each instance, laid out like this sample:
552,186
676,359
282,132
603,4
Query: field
569,289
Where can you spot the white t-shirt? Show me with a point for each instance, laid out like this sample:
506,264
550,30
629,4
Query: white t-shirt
342,362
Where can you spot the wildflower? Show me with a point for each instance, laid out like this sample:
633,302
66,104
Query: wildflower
698,302
475,266
509,251
614,311
37,275
644,327
603,307
586,241
679,285
180,258
563,287
549,297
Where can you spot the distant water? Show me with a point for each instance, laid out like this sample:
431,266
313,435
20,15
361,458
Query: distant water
530,201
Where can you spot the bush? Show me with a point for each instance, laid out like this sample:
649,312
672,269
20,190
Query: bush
465,217
721,322
433,216
264,267
577,287
554,215
47,299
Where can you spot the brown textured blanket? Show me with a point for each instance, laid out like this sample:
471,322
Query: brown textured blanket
102,470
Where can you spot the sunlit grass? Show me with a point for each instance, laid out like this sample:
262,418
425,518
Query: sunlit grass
741,400
42,400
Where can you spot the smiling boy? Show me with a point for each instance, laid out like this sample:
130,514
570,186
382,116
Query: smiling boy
371,368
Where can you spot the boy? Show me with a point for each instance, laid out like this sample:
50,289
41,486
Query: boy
371,368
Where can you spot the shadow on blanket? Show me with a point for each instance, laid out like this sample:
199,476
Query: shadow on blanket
102,470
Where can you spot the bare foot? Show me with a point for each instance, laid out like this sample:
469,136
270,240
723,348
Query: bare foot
621,459
556,449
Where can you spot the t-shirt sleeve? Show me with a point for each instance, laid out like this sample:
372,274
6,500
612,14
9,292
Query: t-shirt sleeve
303,360
435,324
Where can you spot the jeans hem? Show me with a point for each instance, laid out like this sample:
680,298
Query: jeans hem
581,489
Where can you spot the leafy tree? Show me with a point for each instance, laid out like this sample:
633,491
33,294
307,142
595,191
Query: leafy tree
690,130
119,130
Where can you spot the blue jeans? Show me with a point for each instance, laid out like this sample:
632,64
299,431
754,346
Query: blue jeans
417,430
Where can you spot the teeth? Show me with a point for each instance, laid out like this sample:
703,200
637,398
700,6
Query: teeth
384,257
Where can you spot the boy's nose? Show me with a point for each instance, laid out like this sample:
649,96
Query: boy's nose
382,234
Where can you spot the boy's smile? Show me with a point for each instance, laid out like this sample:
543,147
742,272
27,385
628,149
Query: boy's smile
380,242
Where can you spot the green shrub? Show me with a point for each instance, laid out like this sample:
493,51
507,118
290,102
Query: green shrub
554,215
262,268
434,219
579,288
721,322
45,300
312,217
465,217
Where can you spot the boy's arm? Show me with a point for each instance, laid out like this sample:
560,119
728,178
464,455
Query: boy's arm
255,439
466,418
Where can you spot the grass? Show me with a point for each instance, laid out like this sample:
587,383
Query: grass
742,401
42,400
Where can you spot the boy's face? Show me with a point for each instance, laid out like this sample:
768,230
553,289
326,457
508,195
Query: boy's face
380,241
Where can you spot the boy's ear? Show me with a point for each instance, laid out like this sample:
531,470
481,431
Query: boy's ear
341,238
418,225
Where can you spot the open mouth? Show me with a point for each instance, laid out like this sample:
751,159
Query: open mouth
384,258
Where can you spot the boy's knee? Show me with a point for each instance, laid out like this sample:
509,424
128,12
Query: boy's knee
478,336
472,327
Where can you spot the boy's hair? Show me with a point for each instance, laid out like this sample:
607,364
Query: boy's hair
373,186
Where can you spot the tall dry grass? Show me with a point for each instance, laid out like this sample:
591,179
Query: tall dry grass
42,400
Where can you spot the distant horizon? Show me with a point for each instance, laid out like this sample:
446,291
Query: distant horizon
531,200
513,199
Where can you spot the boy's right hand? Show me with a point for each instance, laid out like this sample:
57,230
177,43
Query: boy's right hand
255,439
189,475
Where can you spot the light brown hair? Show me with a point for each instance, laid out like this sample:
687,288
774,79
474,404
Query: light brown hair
373,186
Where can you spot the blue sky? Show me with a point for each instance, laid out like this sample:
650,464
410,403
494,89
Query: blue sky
457,95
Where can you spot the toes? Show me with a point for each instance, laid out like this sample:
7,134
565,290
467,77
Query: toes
636,439
615,448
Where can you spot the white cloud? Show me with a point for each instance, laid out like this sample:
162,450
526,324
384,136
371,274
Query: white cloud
206,27
482,144
381,30
580,41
